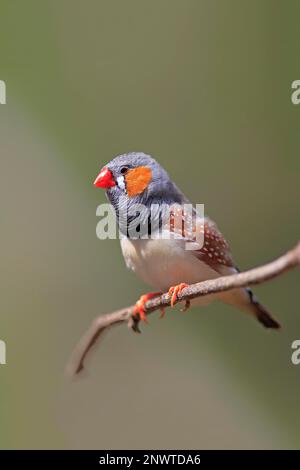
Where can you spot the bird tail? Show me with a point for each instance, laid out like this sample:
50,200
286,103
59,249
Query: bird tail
262,315
246,301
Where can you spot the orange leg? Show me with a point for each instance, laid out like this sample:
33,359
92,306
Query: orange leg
174,291
139,308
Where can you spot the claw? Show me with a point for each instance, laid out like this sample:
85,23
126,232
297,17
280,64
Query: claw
186,306
174,291
139,308
162,312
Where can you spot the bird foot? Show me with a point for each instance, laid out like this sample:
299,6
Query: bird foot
139,308
174,291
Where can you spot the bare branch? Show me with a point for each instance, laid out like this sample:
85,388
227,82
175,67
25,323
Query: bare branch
103,323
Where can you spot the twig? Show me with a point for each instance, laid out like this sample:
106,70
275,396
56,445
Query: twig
103,323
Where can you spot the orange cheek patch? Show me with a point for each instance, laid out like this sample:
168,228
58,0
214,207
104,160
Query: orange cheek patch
137,180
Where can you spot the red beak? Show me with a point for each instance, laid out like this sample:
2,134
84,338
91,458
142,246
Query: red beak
105,179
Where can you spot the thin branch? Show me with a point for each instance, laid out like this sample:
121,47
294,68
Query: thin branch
103,323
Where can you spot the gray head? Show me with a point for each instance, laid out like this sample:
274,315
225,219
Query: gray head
136,178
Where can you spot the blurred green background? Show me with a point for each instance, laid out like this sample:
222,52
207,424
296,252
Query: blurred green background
204,86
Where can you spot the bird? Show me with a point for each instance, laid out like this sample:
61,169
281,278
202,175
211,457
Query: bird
166,254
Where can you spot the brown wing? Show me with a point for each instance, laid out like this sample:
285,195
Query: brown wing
213,249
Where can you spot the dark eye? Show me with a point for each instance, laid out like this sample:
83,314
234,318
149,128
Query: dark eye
124,170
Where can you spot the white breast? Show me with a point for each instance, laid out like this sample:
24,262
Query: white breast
164,263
